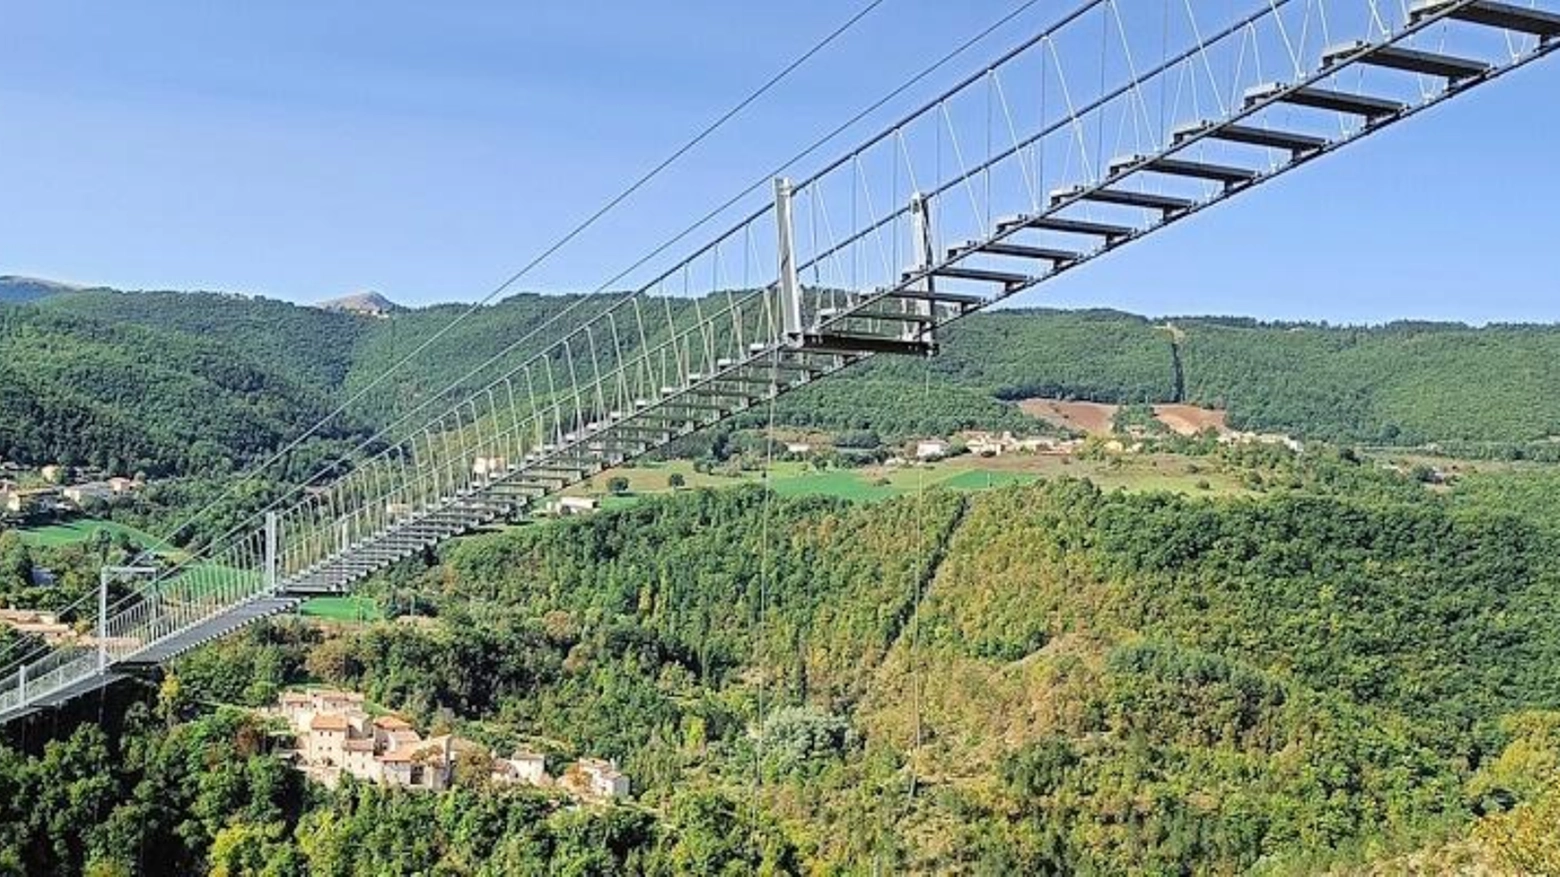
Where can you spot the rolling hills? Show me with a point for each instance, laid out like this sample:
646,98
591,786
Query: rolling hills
1345,676
1403,383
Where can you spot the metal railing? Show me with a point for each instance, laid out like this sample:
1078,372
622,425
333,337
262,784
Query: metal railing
1118,120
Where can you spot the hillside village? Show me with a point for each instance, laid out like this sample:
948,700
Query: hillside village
58,489
336,735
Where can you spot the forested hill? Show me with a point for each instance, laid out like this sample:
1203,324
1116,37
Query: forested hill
1345,673
1403,383
128,398
20,290
310,346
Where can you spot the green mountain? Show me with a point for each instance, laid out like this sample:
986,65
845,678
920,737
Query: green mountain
308,345
1403,383
128,397
1338,669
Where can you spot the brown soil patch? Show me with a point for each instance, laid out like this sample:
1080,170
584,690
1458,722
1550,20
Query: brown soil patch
1093,418
1190,420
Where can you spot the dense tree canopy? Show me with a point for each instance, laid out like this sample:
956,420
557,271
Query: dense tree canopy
1040,679
107,377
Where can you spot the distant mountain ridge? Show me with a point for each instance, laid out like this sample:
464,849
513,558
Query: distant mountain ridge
1405,383
15,289
369,303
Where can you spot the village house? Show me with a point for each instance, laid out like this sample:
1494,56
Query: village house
121,485
337,736
597,778
1263,438
83,494
564,506
22,501
523,766
798,448
52,473
427,765
15,502
1044,445
46,625
931,449
984,444
327,739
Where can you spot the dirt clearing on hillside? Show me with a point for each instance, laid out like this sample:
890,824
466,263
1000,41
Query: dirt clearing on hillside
1191,420
1093,418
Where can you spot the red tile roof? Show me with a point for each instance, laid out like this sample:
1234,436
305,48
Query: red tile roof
328,722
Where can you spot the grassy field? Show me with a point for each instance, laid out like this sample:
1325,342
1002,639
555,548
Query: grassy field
341,609
1127,472
57,535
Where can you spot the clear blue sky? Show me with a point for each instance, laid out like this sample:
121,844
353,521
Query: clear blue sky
302,150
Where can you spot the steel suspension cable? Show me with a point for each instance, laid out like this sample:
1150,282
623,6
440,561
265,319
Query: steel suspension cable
547,253
695,226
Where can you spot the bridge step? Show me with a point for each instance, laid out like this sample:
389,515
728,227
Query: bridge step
1018,251
1253,136
1228,175
1075,226
1506,16
686,402
1326,99
737,378
1412,60
846,343
1165,203
938,296
981,275
876,314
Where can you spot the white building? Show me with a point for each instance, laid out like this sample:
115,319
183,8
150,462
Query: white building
523,766
984,444
564,506
931,449
603,779
14,502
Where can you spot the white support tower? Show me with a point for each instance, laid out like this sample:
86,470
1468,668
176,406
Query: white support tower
790,286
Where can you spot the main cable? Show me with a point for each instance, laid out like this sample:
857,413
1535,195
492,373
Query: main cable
666,245
517,276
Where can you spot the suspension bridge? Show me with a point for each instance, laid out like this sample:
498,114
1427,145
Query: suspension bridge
1115,121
